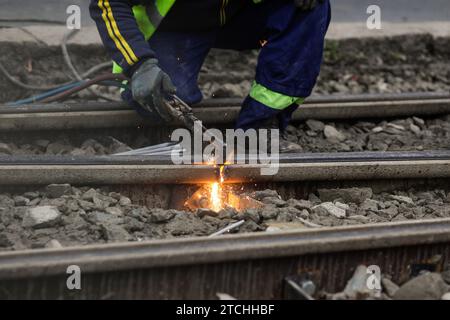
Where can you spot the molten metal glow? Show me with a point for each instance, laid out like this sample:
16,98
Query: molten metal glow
216,196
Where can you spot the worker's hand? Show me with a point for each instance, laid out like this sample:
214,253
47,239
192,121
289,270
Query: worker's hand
151,86
306,5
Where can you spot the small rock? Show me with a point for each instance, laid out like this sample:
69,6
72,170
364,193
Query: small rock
402,199
415,129
330,209
6,240
269,213
72,205
446,296
99,203
354,195
333,135
342,205
103,217
124,201
369,205
316,126
202,212
41,217
34,202
117,146
116,211
53,244
311,133
250,226
133,225
275,201
115,233
259,195
115,195
446,276
359,218
304,214
418,121
300,204
31,195
4,148
284,216
86,205
396,126
58,190
389,287
160,215
6,201
42,143
227,213
57,148
21,201
389,212
313,198
252,214
377,129
428,286
356,287
89,195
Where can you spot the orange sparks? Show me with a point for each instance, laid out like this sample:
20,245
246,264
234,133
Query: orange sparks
216,197
222,174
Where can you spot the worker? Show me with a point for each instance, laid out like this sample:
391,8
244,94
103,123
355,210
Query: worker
162,44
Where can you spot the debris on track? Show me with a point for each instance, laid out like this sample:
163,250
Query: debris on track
425,286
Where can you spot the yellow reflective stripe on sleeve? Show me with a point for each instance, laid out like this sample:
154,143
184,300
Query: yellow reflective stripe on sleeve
115,34
119,35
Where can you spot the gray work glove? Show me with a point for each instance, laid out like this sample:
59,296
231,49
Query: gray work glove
150,87
306,5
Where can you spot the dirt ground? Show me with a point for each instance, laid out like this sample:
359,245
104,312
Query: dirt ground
398,64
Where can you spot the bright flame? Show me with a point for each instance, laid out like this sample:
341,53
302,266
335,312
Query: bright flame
222,174
216,196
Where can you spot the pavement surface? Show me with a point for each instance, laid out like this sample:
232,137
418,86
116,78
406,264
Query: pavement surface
45,19
343,10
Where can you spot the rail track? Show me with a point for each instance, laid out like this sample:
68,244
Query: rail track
62,116
253,266
249,266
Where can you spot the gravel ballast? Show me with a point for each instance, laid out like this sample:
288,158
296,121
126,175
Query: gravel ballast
62,215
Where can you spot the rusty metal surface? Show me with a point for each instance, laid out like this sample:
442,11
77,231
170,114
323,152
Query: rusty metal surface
287,158
220,102
247,267
164,253
42,174
341,171
54,118
106,175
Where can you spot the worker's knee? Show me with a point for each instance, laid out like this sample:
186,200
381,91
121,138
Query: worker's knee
290,62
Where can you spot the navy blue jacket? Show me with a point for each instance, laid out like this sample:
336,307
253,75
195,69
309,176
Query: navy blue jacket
126,44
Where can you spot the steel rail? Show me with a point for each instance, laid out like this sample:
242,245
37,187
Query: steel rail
287,158
60,117
166,269
38,170
149,254
221,102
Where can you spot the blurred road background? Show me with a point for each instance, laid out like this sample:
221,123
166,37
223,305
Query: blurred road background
343,10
